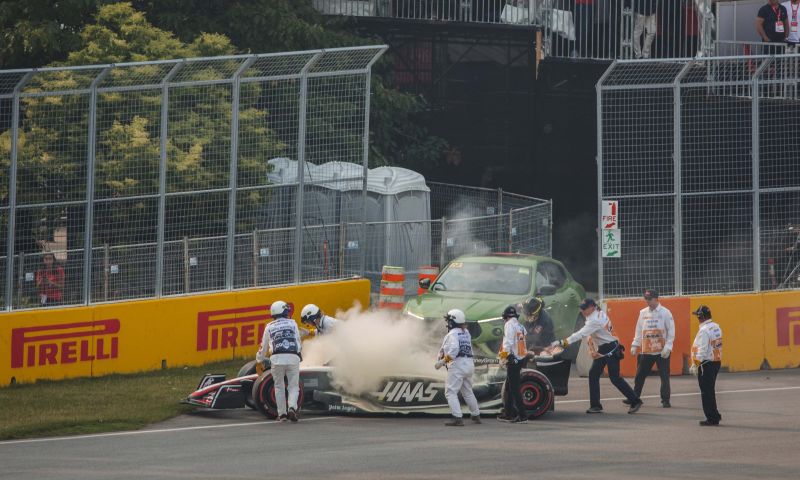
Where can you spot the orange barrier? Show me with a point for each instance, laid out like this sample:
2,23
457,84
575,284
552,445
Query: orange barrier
392,292
145,335
428,272
624,314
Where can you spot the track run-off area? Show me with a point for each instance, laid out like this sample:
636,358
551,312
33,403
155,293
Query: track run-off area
759,437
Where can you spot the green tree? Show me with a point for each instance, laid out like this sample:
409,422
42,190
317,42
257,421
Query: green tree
397,132
36,32
53,138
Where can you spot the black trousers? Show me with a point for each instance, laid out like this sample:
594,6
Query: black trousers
644,365
513,402
612,363
707,378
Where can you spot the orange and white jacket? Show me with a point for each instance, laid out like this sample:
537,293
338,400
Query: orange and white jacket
655,330
707,346
513,340
597,327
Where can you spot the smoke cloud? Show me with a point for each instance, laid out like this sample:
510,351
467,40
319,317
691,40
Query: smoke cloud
367,346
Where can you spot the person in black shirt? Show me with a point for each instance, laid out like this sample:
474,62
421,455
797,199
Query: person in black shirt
538,324
771,24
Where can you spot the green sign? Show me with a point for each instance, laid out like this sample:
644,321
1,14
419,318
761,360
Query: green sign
612,243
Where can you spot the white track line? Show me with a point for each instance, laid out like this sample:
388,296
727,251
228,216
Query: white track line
162,430
776,389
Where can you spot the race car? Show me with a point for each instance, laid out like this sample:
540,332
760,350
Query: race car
397,394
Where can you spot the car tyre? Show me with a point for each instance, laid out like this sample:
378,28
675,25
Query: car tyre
249,368
537,393
264,395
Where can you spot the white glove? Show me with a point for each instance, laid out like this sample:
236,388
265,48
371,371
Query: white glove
559,343
634,350
439,364
665,353
693,370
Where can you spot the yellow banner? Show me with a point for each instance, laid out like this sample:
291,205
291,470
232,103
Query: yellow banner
145,335
782,329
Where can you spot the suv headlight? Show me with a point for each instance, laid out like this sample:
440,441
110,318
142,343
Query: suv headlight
414,315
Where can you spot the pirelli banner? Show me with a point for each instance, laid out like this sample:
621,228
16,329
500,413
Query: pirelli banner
759,331
146,335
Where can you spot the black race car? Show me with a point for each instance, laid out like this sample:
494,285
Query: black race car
397,394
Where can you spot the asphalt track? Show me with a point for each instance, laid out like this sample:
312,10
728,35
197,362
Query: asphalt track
759,438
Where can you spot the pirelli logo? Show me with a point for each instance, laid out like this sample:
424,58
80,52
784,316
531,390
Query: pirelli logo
235,327
65,343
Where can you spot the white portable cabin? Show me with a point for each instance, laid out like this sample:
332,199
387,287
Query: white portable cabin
397,214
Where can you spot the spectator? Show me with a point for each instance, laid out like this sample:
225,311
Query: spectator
644,13
771,25
50,281
793,36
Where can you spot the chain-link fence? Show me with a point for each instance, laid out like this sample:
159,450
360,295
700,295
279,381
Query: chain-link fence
164,178
148,179
701,157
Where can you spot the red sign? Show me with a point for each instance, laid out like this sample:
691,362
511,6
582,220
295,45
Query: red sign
788,322
65,343
235,327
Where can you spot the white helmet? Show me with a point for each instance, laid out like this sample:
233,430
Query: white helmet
455,318
279,309
310,314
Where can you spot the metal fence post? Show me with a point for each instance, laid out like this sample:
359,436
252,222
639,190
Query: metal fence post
186,280
443,244
342,245
20,277
755,120
256,257
106,266
12,191
677,145
162,178
500,216
90,153
301,167
599,161
365,172
233,172
510,231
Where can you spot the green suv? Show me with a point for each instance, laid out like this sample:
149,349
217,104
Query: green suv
483,286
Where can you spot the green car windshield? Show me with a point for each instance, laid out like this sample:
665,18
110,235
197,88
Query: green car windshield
476,277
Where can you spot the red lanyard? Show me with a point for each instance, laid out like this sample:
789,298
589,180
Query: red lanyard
777,11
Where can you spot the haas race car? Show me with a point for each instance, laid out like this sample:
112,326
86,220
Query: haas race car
546,377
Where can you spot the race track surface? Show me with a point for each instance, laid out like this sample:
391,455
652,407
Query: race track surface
759,438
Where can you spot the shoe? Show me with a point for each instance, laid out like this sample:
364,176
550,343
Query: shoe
476,419
520,420
595,410
626,402
283,418
503,418
292,415
708,423
666,404
635,407
455,422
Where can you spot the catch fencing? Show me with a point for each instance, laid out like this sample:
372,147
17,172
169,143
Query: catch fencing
701,156
153,179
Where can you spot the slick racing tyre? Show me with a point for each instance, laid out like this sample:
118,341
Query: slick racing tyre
249,368
264,395
537,393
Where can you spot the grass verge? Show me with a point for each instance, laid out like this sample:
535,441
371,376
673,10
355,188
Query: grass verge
102,404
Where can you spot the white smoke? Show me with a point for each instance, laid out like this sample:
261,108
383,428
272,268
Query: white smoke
368,346
463,222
